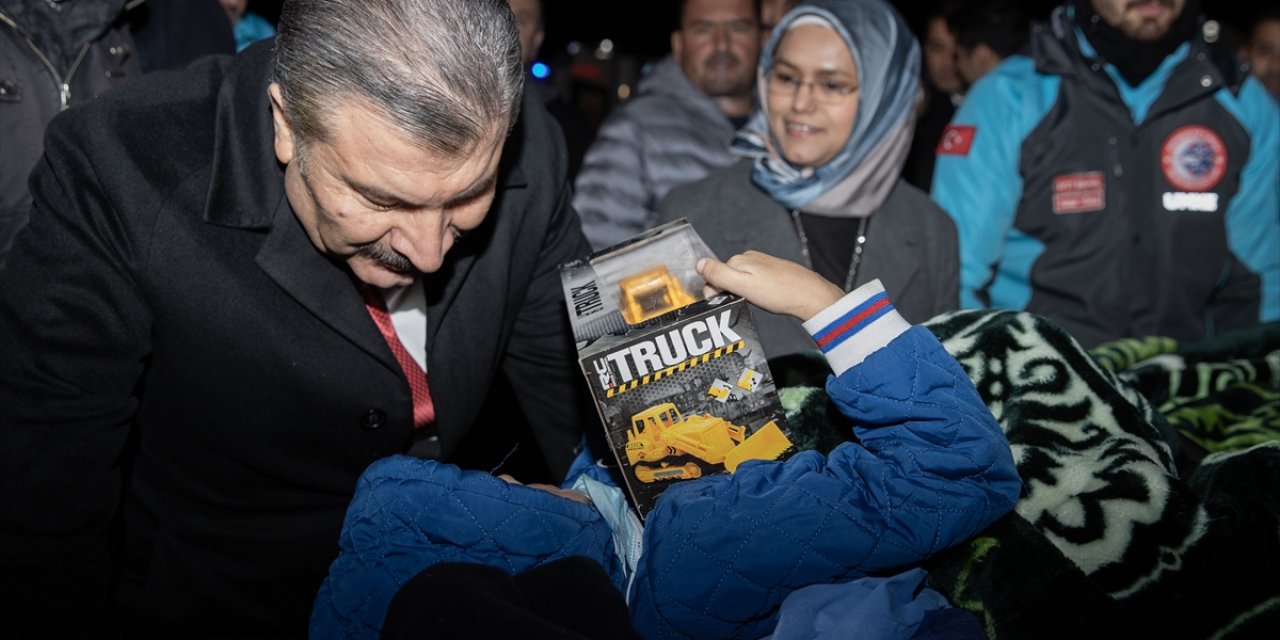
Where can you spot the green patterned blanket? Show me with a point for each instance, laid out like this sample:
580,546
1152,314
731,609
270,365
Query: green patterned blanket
1151,481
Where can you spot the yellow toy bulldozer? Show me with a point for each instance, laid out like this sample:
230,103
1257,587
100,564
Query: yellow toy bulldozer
660,431
651,293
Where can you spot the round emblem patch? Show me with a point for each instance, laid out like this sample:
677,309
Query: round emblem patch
1193,158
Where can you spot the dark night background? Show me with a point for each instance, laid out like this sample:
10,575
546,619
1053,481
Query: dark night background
643,27
640,31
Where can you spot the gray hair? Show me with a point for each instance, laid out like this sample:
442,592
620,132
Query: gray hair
444,71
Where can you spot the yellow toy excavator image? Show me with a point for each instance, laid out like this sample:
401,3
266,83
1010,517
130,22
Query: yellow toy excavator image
661,431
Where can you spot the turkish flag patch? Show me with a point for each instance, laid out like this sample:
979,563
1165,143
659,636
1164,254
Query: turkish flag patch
956,140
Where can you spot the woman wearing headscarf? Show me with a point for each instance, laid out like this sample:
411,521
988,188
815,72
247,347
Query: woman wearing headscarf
819,179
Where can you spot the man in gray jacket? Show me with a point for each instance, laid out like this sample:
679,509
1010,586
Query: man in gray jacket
58,54
54,56
678,127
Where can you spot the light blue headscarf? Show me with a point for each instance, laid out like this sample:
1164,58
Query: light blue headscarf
858,179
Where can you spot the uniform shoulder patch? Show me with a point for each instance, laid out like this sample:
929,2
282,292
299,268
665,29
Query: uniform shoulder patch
1193,158
956,140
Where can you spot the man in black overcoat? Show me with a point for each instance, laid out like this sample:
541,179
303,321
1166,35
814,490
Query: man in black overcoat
192,375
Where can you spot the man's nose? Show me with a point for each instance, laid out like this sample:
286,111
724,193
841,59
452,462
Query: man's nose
424,238
722,37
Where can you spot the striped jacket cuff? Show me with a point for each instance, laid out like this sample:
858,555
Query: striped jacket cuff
856,326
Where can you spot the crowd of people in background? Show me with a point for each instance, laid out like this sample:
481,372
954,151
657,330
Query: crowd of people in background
1019,133
1113,166
673,129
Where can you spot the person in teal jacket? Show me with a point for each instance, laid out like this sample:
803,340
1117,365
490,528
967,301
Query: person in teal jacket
1121,178
248,26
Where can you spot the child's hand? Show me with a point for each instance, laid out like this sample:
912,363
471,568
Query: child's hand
773,284
576,496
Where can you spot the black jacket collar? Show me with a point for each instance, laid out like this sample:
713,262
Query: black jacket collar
1056,51
247,183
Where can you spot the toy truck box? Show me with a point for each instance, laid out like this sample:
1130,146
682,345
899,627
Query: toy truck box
681,383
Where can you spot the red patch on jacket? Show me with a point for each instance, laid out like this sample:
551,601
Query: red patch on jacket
956,140
1079,192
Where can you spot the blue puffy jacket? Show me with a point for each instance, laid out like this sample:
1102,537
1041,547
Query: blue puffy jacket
722,552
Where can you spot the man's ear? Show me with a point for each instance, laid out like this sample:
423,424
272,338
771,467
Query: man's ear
677,46
284,143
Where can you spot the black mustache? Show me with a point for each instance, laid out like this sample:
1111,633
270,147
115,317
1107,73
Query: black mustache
722,56
390,259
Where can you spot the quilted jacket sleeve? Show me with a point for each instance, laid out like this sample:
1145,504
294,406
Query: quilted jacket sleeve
408,514
933,469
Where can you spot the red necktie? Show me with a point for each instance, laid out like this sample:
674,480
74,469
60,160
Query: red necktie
424,411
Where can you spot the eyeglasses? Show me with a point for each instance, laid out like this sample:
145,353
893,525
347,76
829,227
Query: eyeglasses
789,83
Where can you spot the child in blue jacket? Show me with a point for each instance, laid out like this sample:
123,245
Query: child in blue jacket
931,469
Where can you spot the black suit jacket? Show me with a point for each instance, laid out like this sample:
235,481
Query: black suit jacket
189,389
